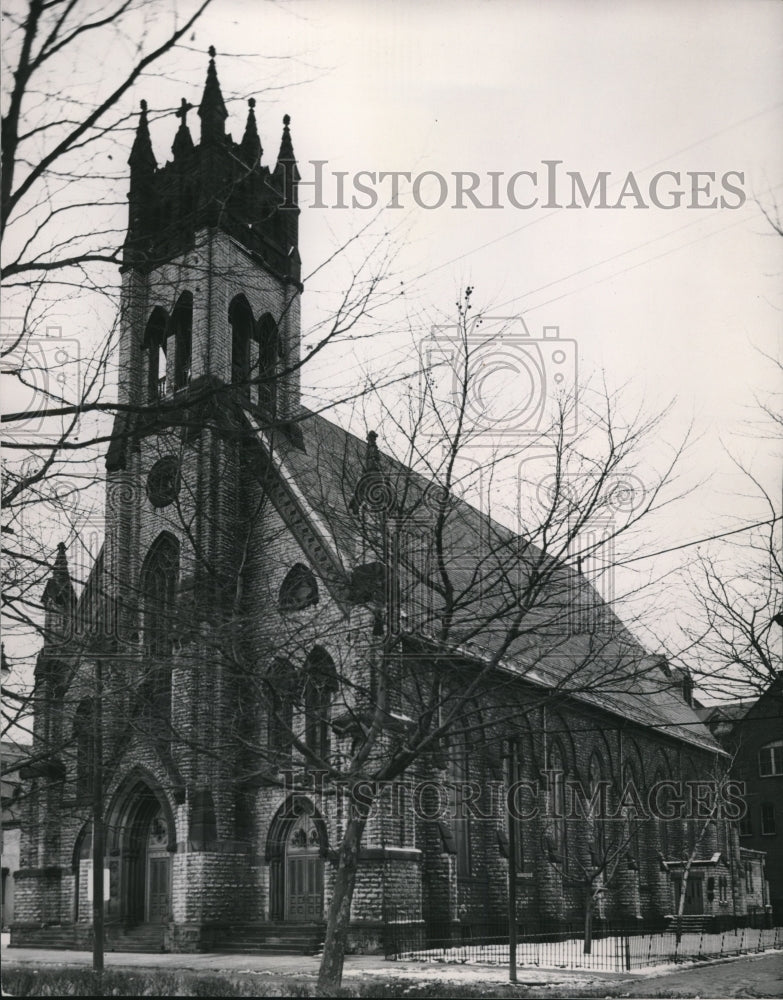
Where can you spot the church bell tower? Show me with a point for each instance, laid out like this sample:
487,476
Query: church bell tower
208,356
210,323
211,268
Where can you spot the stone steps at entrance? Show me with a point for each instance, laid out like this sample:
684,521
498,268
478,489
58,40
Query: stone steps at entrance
47,937
692,923
143,938
271,939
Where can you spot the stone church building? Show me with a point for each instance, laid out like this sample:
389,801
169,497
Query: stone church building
211,681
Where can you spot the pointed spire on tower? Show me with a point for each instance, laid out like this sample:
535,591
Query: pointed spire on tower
374,491
59,589
286,146
286,170
141,155
183,141
251,144
372,457
212,110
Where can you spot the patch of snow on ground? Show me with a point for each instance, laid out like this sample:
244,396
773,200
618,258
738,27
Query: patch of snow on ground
635,953
469,973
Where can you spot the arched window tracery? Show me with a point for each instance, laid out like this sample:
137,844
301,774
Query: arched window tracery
268,353
158,584
596,821
182,329
299,590
558,849
155,344
243,334
320,683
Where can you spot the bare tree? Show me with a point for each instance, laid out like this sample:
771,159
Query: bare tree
738,583
718,809
60,236
443,599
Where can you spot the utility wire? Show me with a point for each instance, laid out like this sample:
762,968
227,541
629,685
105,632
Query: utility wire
697,541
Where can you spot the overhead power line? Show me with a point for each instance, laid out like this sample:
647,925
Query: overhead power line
697,541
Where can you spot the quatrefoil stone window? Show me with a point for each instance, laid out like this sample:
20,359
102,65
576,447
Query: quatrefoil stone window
163,482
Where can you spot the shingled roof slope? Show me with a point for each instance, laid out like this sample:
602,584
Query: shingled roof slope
604,666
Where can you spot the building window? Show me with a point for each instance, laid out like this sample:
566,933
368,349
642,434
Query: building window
633,853
746,825
663,824
298,591
459,766
516,770
771,759
163,482
723,889
268,351
320,685
281,711
84,740
242,335
558,845
159,576
767,819
155,338
158,582
597,831
182,327
748,877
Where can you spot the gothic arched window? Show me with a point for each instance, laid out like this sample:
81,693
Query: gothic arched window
155,334
240,317
84,740
158,591
516,763
319,686
630,815
268,351
281,709
158,585
298,590
182,328
663,823
459,790
596,827
558,845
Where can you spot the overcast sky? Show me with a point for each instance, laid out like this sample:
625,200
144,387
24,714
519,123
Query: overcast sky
680,303
676,303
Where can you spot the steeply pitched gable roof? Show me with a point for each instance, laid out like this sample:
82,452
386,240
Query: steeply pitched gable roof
488,565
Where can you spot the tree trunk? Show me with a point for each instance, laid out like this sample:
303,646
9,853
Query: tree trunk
681,905
330,974
589,921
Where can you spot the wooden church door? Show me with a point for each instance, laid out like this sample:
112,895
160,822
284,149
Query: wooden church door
157,872
304,873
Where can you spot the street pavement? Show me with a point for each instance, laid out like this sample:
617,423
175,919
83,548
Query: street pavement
748,976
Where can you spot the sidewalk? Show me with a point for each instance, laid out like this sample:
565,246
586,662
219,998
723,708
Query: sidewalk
306,966
747,975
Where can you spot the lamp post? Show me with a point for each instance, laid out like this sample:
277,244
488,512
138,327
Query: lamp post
512,871
97,821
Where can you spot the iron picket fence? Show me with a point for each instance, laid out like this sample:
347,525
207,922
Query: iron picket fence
612,949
